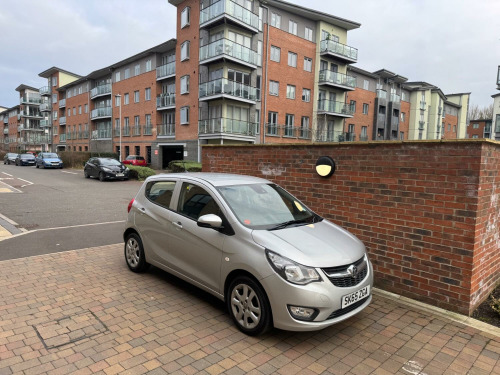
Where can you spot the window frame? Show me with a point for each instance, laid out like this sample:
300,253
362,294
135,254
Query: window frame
185,46
185,20
184,109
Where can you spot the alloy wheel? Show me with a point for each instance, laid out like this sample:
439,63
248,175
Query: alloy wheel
246,306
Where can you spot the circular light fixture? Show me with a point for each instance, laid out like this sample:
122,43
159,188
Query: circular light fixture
325,166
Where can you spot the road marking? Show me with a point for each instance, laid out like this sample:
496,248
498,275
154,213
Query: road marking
69,172
11,187
7,174
29,182
67,227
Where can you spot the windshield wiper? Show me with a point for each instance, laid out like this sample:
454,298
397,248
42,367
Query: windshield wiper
288,223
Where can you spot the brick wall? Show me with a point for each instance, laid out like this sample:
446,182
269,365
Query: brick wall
427,211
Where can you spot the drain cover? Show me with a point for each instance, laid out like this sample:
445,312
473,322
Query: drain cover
69,329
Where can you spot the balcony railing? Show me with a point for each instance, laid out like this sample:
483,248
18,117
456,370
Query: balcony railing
166,130
62,138
382,94
102,133
223,125
339,79
147,130
62,103
328,135
421,125
30,113
340,108
45,107
126,131
136,130
85,134
395,98
227,48
287,131
231,9
339,49
31,99
165,70
423,104
44,90
6,131
363,138
100,112
6,120
349,137
223,86
45,123
62,120
165,100
100,90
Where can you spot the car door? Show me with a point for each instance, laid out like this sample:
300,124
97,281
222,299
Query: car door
194,251
153,218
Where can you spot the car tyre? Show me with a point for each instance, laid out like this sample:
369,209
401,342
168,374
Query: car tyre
86,174
37,165
134,253
248,306
101,176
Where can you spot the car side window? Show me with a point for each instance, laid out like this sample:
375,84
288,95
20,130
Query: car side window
160,192
195,201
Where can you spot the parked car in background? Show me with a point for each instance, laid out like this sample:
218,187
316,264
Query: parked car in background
48,160
10,158
25,159
135,160
105,169
251,243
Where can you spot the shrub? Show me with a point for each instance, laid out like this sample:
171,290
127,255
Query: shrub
140,173
184,166
74,159
495,304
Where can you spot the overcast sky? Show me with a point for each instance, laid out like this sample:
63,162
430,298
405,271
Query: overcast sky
453,44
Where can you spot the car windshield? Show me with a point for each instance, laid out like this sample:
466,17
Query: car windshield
266,206
27,156
50,156
110,162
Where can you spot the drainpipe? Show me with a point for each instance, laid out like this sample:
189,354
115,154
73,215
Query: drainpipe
263,116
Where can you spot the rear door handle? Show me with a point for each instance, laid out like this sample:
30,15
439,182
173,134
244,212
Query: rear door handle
177,224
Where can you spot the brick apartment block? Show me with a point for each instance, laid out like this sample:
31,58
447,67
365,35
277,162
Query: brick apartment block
480,128
238,72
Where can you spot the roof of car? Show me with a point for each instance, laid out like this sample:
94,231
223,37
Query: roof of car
215,179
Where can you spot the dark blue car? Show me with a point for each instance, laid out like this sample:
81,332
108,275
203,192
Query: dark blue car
25,159
48,160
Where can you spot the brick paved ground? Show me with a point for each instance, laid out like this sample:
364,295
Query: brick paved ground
125,323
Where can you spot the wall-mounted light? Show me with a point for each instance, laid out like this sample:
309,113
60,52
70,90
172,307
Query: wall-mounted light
325,166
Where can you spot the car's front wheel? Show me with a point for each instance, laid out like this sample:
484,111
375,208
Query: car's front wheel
134,253
101,176
248,306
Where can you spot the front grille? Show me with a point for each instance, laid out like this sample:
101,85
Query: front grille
347,310
346,281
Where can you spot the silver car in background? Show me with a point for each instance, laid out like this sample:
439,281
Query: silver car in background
252,244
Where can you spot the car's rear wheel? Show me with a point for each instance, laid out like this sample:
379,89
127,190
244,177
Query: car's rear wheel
101,176
134,253
248,306
37,165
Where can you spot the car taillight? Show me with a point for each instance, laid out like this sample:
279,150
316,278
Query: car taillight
130,204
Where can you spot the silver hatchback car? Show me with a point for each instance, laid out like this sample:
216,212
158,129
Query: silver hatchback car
252,244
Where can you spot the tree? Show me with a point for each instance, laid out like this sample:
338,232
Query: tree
480,113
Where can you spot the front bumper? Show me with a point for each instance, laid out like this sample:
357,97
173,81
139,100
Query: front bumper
323,296
117,175
27,163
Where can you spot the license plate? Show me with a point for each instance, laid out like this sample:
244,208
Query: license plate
120,175
354,297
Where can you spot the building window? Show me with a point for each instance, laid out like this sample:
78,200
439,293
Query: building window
54,98
454,128
403,117
308,62
184,84
275,54
127,73
475,136
366,84
147,93
117,101
475,126
353,105
364,133
272,122
54,81
401,136
257,121
117,77
136,96
184,115
292,27
86,108
290,92
306,95
79,109
185,17
365,108
137,69
403,96
292,59
274,88
74,111
148,66
449,127
125,99
308,34
275,20
289,123
148,119
185,50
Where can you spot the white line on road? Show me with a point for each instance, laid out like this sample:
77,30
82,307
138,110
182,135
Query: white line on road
29,182
69,172
1,182
7,174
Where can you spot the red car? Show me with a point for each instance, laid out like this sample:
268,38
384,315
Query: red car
135,160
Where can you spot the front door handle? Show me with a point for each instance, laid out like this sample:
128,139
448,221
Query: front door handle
177,224
142,209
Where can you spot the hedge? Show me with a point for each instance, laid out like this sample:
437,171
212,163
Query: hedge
77,159
140,173
177,166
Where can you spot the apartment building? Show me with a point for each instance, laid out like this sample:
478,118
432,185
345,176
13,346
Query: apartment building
496,111
480,128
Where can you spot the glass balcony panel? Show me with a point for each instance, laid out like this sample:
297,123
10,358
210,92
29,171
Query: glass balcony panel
225,86
232,9
226,125
62,120
101,112
166,130
335,107
330,135
100,90
227,47
62,103
147,130
395,98
165,100
337,78
339,49
44,90
165,70
382,94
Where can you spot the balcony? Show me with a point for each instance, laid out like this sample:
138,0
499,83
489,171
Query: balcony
227,49
102,133
62,120
30,113
165,101
339,51
44,90
165,71
100,90
274,130
20,128
85,134
126,131
45,124
340,109
136,130
381,94
395,98
62,103
340,80
219,127
30,98
330,135
363,138
349,137
147,130
421,125
227,10
100,113
6,131
62,138
6,120
166,130
224,88
423,105
45,107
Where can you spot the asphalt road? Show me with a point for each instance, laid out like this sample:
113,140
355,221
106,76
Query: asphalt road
61,210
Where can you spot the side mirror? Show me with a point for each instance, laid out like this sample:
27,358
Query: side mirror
210,221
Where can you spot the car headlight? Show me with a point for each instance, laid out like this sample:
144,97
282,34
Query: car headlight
290,271
106,169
